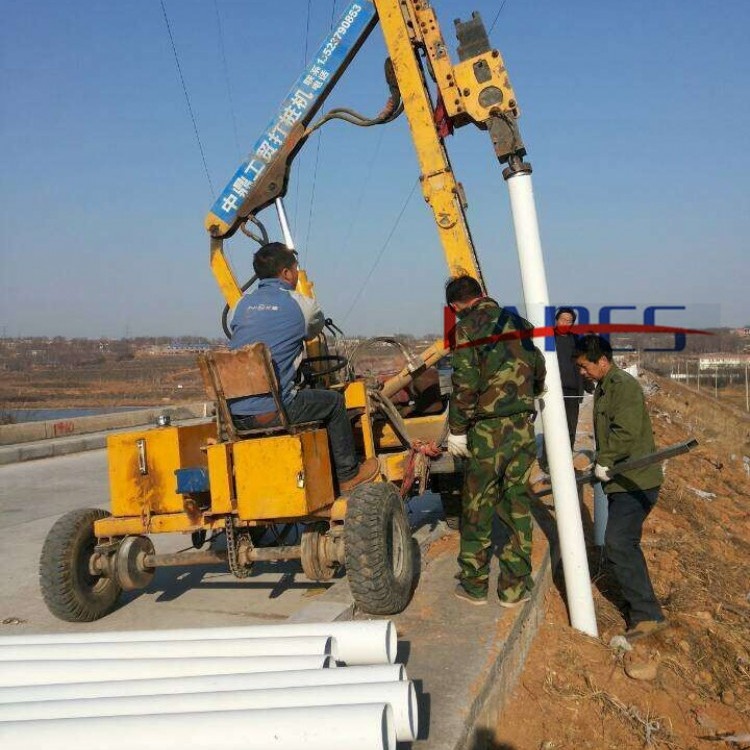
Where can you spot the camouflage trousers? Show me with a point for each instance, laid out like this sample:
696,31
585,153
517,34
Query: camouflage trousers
496,480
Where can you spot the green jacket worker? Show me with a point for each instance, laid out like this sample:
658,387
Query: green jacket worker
622,429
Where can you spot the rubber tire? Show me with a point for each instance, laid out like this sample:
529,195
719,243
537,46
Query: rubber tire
70,592
380,584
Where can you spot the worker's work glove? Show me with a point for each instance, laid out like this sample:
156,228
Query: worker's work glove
458,446
602,473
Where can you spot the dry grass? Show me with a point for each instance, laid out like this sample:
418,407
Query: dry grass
652,730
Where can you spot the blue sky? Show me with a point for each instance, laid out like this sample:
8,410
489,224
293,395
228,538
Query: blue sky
635,116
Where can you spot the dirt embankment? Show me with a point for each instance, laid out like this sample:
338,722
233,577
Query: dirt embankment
575,691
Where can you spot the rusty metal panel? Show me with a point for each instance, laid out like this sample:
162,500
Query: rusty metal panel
318,469
283,476
142,465
220,477
164,524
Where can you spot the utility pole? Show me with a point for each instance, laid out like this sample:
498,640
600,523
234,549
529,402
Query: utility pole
716,381
747,392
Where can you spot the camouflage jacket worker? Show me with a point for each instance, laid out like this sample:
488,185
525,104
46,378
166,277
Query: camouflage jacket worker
622,428
492,378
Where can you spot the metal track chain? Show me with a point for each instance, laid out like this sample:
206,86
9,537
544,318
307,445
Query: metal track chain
237,570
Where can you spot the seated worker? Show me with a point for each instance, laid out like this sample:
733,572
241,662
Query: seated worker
274,314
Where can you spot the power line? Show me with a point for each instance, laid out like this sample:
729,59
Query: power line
497,15
187,98
380,253
312,194
222,52
363,186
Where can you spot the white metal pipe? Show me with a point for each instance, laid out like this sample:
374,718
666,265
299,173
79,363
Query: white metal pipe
359,643
284,223
557,441
204,683
365,727
400,696
18,673
294,646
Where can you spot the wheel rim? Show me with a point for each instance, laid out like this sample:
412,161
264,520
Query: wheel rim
91,582
396,547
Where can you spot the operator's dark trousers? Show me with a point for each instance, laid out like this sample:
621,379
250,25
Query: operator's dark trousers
572,406
622,545
313,405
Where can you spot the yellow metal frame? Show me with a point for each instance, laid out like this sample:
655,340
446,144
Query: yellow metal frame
439,186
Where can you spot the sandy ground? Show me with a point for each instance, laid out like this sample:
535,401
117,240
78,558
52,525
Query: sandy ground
688,686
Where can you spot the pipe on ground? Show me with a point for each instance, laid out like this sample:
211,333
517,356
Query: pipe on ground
293,646
359,643
20,673
400,696
204,683
364,727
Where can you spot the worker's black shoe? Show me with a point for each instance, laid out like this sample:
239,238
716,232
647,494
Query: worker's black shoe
368,470
461,593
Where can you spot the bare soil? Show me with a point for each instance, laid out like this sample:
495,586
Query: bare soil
145,380
575,691
141,380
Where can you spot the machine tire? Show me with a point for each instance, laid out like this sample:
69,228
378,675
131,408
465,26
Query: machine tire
69,590
378,549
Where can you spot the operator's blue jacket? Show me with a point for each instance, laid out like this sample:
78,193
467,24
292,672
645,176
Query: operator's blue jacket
282,319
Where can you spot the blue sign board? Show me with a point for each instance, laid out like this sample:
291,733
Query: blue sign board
302,101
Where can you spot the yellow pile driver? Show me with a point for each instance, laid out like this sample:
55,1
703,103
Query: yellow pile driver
209,479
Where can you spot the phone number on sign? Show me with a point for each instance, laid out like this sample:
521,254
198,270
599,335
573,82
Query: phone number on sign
339,34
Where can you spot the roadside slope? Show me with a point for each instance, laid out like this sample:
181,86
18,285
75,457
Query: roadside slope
575,692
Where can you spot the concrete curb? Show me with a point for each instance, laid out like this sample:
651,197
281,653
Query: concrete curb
337,602
27,432
48,448
500,679
30,451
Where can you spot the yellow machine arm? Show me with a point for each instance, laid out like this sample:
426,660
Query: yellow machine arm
475,90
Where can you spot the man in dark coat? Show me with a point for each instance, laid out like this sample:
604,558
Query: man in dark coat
572,382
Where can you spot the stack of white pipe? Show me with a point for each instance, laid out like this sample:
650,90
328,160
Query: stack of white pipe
255,687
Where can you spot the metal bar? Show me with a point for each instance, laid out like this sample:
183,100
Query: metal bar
292,552
284,223
219,557
636,463
203,557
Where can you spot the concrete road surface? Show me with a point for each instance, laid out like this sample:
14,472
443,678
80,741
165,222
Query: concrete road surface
33,495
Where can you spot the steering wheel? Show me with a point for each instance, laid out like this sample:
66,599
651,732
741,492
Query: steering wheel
310,373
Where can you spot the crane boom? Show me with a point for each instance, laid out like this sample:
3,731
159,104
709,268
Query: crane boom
476,90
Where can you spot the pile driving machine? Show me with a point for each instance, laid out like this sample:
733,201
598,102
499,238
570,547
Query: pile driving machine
210,481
